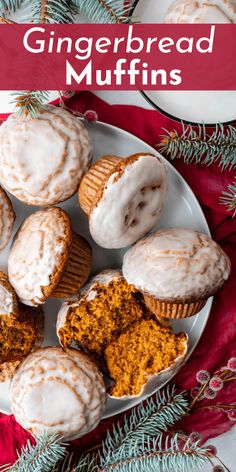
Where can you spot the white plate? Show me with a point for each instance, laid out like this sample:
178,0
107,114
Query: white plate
182,209
210,107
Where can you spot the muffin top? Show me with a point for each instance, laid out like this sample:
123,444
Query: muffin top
39,254
202,11
7,218
176,264
131,203
43,159
8,298
58,391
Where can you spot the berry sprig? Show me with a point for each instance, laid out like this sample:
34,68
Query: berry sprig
209,386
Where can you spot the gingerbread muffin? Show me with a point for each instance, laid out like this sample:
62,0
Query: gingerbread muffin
202,11
177,270
47,259
123,198
7,218
21,329
110,321
58,391
43,159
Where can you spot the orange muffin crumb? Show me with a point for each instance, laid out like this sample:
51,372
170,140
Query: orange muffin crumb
96,322
144,349
18,334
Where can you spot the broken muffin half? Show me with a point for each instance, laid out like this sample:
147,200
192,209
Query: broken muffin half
110,321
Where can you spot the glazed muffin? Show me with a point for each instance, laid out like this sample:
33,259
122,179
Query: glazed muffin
47,259
7,218
176,270
202,11
43,159
123,198
59,392
21,329
108,320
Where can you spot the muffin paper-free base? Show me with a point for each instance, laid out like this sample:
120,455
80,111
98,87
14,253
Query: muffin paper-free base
94,180
173,310
77,270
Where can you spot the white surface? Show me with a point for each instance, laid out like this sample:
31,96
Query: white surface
210,107
182,209
225,443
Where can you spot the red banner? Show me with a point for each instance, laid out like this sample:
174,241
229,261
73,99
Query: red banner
124,57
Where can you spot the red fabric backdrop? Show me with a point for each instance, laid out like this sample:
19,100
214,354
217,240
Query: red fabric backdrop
217,344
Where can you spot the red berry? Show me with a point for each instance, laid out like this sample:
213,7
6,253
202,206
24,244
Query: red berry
218,468
203,376
216,383
232,364
194,392
209,394
195,437
90,115
211,450
232,415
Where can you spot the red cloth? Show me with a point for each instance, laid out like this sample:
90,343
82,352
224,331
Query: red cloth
217,344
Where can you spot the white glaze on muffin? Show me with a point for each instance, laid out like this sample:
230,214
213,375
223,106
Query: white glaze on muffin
178,264
43,159
131,203
202,11
8,298
7,218
38,253
59,392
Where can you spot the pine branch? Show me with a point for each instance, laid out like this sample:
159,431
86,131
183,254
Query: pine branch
39,458
228,198
86,463
9,6
162,454
52,11
104,11
151,419
200,147
28,102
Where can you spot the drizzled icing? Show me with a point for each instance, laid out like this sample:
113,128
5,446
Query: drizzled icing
43,159
177,264
202,11
8,300
58,391
131,203
37,253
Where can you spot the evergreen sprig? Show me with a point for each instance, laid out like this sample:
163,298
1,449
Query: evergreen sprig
162,454
197,145
228,198
28,102
41,457
9,6
104,11
52,11
153,418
